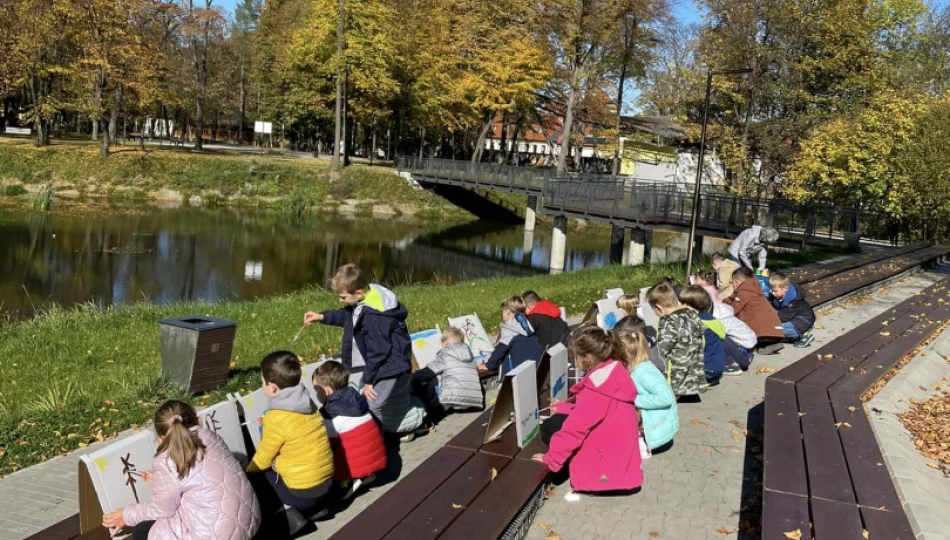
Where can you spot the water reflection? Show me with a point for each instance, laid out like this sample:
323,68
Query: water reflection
164,255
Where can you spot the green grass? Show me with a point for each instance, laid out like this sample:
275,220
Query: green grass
70,377
247,179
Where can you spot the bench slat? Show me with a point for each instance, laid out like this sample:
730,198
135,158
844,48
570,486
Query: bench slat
386,513
438,511
834,520
472,436
889,525
506,445
493,509
784,457
827,470
782,513
68,529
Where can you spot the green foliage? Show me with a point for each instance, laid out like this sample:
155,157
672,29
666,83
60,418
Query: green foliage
42,200
14,190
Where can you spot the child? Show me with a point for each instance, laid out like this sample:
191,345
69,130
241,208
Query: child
739,343
357,444
714,352
724,268
516,340
545,318
451,380
633,325
197,485
628,303
793,310
596,433
294,452
669,282
375,334
680,341
705,279
752,308
655,399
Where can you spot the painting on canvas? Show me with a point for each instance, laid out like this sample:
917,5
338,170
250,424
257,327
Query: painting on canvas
115,470
525,390
425,345
613,293
222,419
254,406
475,335
558,371
649,317
608,313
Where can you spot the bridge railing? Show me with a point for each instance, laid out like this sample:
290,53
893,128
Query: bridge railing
490,175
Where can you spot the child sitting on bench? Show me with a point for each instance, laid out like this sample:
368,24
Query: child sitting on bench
516,340
358,448
596,434
451,380
197,485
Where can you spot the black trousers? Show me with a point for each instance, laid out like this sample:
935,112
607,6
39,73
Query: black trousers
140,532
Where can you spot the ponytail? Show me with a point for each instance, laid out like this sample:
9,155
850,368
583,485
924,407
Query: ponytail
600,344
636,347
173,422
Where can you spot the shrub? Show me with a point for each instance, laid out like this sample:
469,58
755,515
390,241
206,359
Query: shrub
14,190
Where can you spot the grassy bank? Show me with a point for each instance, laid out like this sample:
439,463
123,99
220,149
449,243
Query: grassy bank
69,377
77,171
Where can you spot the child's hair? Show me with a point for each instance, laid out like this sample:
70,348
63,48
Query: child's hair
600,344
514,304
778,279
666,280
768,235
717,257
173,421
332,374
530,297
743,273
628,303
281,368
706,276
636,347
662,295
452,333
697,298
630,325
348,279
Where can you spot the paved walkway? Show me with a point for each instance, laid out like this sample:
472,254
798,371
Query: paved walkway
691,491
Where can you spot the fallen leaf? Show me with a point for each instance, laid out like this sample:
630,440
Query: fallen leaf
494,474
865,534
885,334
852,408
654,534
840,425
933,466
552,536
457,506
723,530
801,414
544,526
794,535
761,370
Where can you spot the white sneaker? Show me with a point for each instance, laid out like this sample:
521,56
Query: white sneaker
645,452
572,496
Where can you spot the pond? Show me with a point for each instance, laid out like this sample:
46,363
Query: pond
108,256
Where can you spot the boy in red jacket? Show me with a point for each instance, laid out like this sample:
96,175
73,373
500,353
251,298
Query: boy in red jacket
358,448
545,317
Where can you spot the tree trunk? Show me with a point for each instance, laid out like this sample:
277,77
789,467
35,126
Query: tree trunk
109,136
338,108
514,141
568,122
623,80
503,140
422,142
482,135
97,105
42,137
347,128
243,102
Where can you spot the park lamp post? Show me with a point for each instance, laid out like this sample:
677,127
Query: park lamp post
699,166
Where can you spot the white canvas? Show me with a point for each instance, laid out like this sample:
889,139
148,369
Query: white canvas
558,372
613,293
647,314
254,406
563,314
425,345
475,335
306,377
223,420
115,470
608,313
525,388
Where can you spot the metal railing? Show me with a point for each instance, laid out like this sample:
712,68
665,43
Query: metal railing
488,175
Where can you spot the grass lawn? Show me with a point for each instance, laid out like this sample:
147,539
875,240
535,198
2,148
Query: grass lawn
69,377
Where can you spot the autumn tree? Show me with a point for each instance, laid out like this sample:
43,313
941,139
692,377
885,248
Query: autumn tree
202,24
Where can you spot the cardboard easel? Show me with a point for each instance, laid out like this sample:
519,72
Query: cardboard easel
517,404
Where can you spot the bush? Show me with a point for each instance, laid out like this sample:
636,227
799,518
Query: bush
14,190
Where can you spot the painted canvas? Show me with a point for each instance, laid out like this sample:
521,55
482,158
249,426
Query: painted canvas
558,372
425,345
254,406
646,312
475,335
608,313
223,420
115,470
613,293
306,377
525,392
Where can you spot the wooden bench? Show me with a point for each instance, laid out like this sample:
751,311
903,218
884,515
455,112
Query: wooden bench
823,465
68,529
814,272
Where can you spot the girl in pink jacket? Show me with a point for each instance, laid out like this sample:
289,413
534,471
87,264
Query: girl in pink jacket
599,436
199,490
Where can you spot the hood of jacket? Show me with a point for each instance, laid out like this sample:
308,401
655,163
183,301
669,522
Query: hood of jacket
382,301
791,295
458,352
546,307
515,326
294,399
713,324
749,286
346,401
610,379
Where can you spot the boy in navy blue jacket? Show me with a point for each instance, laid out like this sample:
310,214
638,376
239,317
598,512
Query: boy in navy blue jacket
516,340
375,336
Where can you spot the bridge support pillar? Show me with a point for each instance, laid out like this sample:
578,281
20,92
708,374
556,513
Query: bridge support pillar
530,213
617,235
528,247
641,241
558,244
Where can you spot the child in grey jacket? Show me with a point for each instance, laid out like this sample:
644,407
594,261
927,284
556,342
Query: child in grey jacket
451,380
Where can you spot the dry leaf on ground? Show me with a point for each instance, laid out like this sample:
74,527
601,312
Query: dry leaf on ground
929,423
840,425
794,535
761,370
865,534
654,534
494,474
457,506
723,530
552,536
544,526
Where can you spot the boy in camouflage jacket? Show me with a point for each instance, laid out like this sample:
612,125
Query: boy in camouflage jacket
680,340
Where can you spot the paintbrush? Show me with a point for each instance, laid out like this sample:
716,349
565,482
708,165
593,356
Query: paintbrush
568,400
298,335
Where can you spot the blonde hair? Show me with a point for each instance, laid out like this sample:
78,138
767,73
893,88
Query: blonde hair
628,303
601,345
348,279
514,304
636,347
662,295
452,333
173,421
778,279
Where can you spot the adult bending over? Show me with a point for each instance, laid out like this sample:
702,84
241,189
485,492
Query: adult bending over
752,241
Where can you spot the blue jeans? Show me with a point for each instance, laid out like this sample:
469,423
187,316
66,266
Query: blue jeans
791,333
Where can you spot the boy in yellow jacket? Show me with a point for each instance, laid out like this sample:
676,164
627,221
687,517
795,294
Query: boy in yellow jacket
294,453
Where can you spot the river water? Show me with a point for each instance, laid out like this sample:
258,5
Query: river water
111,256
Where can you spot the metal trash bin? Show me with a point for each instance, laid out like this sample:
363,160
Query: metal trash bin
196,351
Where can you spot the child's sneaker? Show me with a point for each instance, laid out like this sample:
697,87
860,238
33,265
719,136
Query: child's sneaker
732,370
805,341
572,496
644,449
354,485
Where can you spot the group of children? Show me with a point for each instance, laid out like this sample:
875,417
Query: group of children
624,406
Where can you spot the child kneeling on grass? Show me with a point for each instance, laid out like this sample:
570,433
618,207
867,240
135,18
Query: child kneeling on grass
659,415
451,380
358,448
796,315
596,435
199,490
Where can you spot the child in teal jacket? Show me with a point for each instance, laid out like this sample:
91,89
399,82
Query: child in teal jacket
655,398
